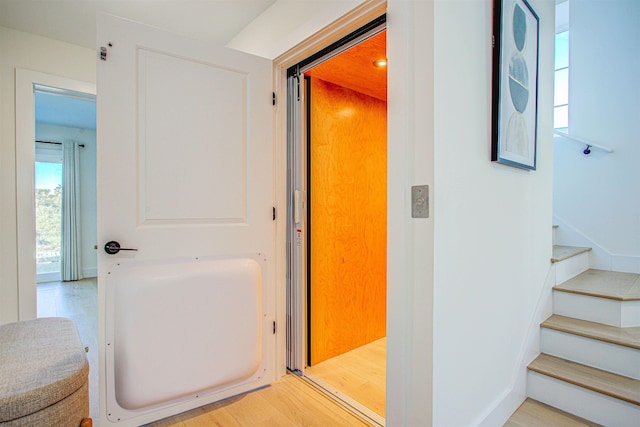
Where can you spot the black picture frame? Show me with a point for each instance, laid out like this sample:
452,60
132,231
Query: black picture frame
514,113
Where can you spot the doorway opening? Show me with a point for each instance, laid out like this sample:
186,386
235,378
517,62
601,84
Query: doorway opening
65,184
337,220
65,214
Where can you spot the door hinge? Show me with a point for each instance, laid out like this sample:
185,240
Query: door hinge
274,213
274,327
273,98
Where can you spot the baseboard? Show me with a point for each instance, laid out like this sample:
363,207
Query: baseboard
506,404
600,257
516,393
48,277
626,264
55,277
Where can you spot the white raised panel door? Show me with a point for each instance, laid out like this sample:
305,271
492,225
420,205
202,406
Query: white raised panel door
185,176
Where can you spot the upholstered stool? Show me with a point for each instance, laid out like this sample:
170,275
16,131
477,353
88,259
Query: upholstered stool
44,374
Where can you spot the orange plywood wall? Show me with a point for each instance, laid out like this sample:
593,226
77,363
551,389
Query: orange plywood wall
348,220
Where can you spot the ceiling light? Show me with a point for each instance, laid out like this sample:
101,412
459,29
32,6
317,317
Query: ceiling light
380,63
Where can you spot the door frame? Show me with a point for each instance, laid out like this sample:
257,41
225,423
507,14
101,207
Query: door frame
298,303
25,181
347,24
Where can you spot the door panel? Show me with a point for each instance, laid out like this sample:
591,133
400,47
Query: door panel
348,221
185,176
177,139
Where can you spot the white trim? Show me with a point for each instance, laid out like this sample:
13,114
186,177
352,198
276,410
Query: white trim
48,277
505,405
25,160
600,258
410,241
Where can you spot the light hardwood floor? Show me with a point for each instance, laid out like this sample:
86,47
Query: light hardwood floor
359,373
77,301
289,402
605,284
535,414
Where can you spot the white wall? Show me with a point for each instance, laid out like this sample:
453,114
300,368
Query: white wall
492,223
88,226
23,50
596,197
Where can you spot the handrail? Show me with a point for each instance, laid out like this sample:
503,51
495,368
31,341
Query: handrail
582,141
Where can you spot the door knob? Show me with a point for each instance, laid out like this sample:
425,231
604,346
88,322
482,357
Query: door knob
113,248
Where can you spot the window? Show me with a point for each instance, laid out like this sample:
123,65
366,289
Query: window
48,208
561,90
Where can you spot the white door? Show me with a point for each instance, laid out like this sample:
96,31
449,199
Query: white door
185,176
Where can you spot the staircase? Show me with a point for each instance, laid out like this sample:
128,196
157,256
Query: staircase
588,372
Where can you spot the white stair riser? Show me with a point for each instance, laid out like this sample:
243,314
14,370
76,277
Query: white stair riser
601,310
571,267
554,235
598,354
630,313
584,403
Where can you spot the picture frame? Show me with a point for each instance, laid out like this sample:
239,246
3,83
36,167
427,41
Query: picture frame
514,113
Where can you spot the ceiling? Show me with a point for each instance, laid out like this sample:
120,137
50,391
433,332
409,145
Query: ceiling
64,110
73,21
354,68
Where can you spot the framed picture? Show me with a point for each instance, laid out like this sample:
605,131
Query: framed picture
515,84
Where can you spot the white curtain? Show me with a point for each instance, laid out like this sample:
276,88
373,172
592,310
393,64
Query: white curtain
70,256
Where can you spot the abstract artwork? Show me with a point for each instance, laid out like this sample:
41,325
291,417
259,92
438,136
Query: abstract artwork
515,84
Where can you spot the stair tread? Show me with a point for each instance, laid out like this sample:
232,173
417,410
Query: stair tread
537,414
614,385
561,252
628,337
604,284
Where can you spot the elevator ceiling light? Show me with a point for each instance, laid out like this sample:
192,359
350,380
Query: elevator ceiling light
380,63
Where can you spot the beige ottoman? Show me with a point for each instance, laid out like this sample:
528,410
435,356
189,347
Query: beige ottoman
43,374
